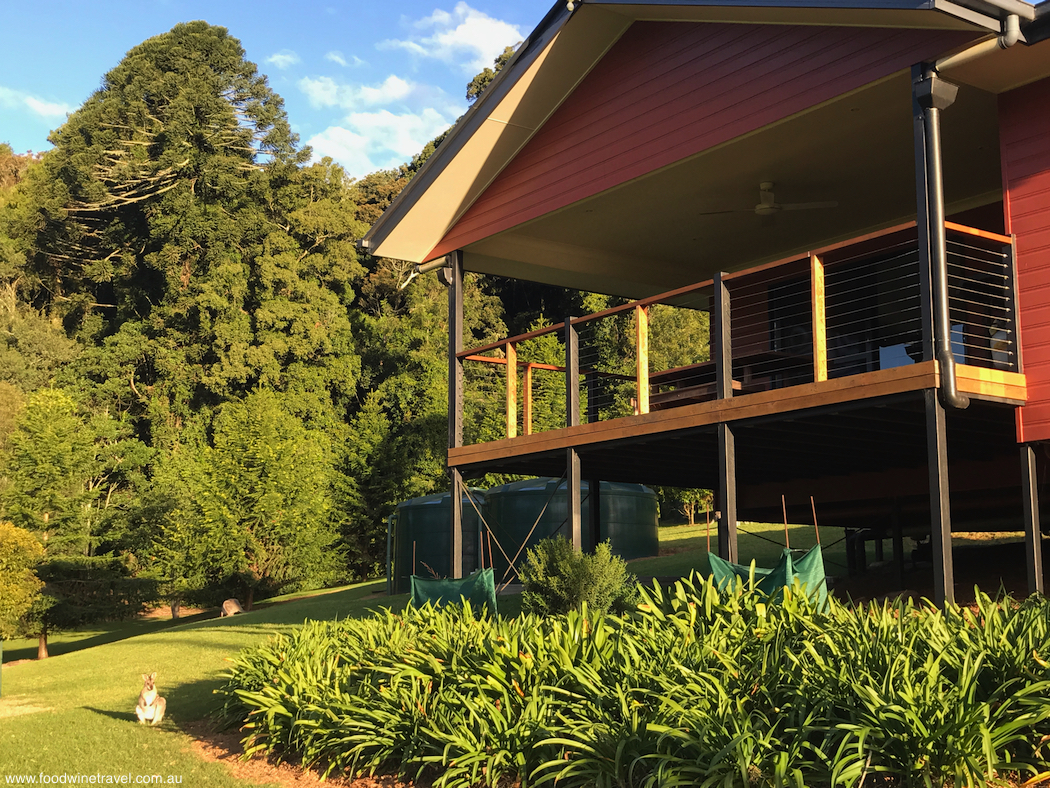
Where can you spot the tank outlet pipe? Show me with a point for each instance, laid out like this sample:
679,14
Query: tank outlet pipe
1010,35
934,94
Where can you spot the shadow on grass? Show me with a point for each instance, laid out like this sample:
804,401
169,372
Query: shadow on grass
110,633
122,716
196,702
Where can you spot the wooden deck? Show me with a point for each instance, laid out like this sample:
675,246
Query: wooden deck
979,383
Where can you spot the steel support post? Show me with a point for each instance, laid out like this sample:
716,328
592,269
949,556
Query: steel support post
727,546
1033,538
572,419
722,350
940,501
594,503
455,406
722,343
572,481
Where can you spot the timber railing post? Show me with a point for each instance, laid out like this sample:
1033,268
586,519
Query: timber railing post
820,323
526,400
641,327
455,408
723,353
512,390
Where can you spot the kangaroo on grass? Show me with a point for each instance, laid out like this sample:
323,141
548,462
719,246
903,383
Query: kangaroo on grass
151,706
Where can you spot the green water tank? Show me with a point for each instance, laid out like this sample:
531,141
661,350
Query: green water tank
629,518
420,538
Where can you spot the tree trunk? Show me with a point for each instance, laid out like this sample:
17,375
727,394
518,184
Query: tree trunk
251,597
41,646
175,606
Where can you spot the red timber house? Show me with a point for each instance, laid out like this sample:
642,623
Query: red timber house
856,191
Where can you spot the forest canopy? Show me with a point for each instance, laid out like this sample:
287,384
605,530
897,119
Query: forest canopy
203,383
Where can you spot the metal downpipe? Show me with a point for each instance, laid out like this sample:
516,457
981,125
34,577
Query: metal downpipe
934,94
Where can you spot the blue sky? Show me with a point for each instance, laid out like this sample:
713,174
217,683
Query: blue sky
368,83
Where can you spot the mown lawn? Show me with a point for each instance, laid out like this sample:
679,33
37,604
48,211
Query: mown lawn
758,542
74,713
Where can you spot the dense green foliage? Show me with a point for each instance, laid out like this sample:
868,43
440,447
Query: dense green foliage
19,555
482,80
200,374
198,371
695,688
255,508
556,579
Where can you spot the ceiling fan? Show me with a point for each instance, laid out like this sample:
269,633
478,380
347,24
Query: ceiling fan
768,206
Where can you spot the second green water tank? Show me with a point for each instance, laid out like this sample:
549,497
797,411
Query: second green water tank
629,518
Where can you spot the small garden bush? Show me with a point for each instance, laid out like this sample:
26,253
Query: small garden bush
696,687
557,579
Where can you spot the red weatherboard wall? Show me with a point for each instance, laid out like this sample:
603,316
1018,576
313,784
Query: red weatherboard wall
1024,137
669,90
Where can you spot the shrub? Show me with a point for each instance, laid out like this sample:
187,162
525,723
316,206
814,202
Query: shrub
557,579
697,687
19,553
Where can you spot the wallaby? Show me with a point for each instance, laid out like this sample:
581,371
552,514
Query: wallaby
151,706
229,607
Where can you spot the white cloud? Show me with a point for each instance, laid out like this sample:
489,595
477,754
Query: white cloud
464,37
283,59
369,141
338,57
14,99
326,92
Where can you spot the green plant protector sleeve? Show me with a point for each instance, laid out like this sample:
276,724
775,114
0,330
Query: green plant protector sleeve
479,589
807,571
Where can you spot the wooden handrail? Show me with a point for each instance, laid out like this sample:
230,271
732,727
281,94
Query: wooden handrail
656,299
538,332
552,367
862,239
962,228
472,354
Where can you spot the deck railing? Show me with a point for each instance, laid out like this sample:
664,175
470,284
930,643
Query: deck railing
843,310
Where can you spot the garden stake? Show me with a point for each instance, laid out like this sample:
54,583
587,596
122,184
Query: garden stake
787,539
486,524
413,556
813,506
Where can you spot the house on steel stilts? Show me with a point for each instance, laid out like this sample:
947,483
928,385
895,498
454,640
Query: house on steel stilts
857,194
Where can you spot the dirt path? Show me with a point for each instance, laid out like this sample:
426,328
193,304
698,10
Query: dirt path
225,747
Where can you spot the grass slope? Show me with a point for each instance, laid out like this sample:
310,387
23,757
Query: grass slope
74,713
87,723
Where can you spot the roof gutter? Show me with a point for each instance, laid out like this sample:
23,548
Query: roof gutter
1010,35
